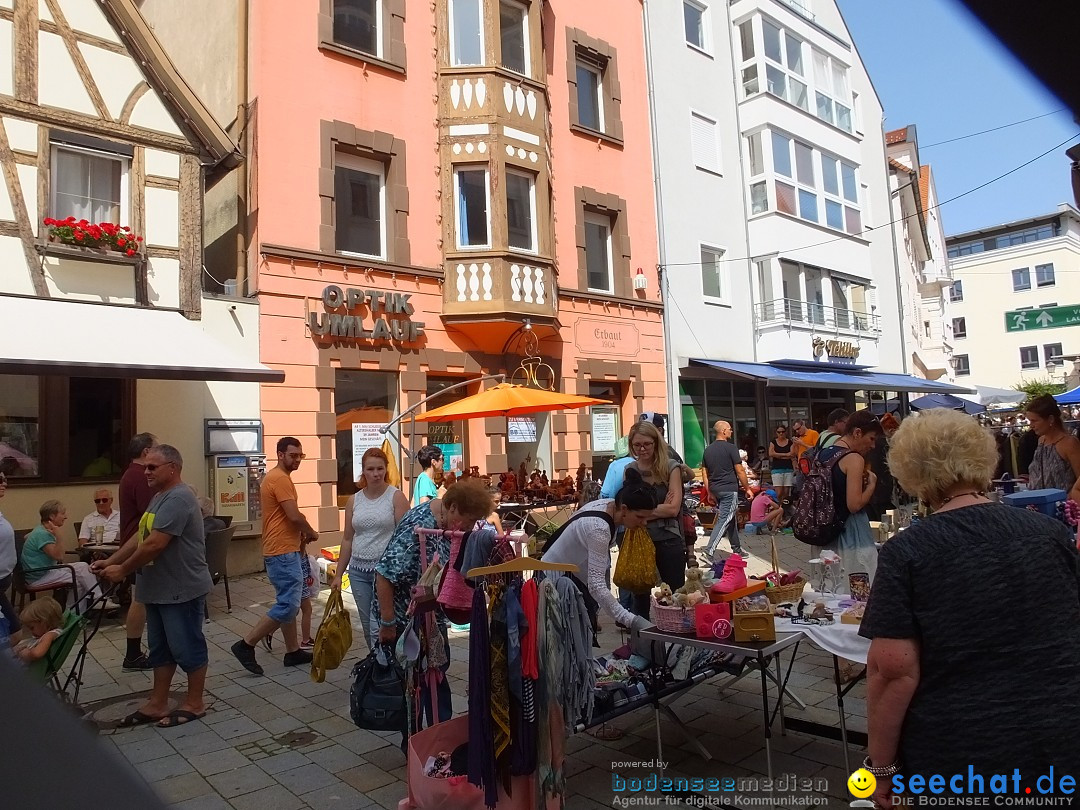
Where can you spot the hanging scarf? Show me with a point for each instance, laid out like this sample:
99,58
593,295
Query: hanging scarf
580,677
530,602
552,729
500,694
481,749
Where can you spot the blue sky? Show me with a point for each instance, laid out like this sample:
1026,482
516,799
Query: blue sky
935,66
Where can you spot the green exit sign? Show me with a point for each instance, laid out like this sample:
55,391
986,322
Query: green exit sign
1024,320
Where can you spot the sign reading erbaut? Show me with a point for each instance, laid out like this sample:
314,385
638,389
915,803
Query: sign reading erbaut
835,348
596,337
343,319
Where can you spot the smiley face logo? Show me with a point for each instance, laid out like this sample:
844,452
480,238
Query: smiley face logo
861,783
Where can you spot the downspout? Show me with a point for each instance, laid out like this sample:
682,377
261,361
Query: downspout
901,395
243,111
674,422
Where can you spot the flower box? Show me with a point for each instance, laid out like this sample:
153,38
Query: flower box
104,236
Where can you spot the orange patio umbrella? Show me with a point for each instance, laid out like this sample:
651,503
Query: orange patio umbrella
508,400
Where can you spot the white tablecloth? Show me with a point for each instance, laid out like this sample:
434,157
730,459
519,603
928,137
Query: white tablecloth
837,638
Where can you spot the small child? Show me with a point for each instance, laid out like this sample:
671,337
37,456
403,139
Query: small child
43,619
765,512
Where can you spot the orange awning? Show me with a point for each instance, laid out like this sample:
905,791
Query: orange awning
508,400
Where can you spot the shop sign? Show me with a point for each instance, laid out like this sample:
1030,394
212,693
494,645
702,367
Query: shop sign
593,337
386,316
604,429
835,348
521,429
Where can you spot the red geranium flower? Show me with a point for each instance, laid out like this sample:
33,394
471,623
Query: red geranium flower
79,235
130,252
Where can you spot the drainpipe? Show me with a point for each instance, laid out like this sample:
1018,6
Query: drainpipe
243,110
674,424
896,261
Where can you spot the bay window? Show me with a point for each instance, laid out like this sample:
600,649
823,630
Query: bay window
514,36
466,32
471,199
520,210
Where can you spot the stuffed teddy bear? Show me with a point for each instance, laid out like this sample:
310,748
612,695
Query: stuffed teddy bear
663,595
694,583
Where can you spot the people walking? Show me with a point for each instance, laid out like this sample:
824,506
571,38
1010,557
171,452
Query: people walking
727,477
285,531
782,453
135,495
370,518
168,552
430,459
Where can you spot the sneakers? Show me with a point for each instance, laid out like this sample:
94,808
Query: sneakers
268,643
734,575
138,664
296,659
245,654
309,644
742,553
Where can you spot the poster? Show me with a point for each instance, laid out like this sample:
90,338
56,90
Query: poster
453,457
604,430
521,428
365,435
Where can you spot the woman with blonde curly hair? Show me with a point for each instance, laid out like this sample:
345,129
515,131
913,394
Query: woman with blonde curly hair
950,677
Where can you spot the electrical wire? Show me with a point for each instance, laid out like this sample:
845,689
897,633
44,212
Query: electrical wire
898,219
992,129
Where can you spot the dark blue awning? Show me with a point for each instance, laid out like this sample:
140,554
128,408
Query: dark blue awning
831,377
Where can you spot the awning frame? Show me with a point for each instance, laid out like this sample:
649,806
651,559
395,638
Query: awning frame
775,375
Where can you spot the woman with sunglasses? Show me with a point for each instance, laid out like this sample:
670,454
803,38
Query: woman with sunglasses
782,453
653,461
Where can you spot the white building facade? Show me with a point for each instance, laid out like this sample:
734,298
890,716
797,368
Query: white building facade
1015,300
779,276
925,277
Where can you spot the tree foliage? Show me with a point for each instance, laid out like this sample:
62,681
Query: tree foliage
1036,388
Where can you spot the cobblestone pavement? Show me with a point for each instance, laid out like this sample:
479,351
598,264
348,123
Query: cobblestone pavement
282,742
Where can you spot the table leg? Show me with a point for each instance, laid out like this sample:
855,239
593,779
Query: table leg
780,698
694,741
659,739
764,667
840,709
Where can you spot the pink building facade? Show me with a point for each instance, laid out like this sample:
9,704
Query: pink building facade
433,196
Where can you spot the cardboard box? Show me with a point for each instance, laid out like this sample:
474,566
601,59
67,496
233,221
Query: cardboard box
753,587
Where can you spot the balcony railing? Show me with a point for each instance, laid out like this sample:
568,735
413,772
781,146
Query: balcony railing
809,315
799,8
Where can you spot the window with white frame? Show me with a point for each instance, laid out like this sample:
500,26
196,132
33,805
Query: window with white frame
359,206
598,261
813,185
590,96
785,73
466,32
1029,357
1050,351
959,327
748,49
89,184
472,201
832,95
514,36
961,365
1021,279
521,210
694,25
712,273
704,143
759,191
1044,275
357,25
956,291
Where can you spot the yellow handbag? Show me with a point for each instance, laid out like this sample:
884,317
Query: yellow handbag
636,568
333,640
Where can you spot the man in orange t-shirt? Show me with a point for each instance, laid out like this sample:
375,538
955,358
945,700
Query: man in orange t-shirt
285,531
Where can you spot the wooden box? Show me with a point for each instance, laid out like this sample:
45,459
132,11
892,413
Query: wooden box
752,587
755,624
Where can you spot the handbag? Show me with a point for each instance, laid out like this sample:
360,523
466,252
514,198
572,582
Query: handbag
333,639
636,569
377,695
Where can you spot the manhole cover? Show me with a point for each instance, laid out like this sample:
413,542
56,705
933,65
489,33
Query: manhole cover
107,714
296,739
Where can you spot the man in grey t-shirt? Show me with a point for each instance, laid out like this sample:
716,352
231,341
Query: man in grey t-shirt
169,553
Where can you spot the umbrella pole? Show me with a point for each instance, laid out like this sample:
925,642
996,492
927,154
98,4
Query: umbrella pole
412,456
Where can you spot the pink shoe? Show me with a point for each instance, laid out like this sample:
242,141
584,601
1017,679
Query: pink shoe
734,576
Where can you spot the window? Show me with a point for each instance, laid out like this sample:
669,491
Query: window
959,327
1021,279
956,291
786,78
1044,275
832,96
360,396
746,40
598,252
1037,234
759,192
1050,351
1029,357
89,184
595,94
694,24
961,365
357,25
712,278
471,196
926,328
466,32
590,97
360,206
65,429
704,144
514,36
826,186
520,210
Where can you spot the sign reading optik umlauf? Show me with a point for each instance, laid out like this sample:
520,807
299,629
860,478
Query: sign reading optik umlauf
354,315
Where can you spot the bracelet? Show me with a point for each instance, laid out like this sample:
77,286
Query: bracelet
384,623
887,770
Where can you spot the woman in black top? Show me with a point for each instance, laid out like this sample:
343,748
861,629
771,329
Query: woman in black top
958,675
782,451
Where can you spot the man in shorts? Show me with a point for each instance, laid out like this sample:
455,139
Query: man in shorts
285,532
169,553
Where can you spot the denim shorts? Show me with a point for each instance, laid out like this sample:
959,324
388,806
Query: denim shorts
783,478
174,634
285,574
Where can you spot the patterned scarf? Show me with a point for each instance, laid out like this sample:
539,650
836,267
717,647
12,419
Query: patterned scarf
481,749
500,685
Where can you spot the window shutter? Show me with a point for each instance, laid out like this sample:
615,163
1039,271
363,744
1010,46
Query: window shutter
703,142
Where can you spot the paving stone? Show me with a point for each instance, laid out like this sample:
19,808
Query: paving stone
360,741
311,713
306,779
155,770
283,762
331,726
216,762
339,796
211,801
220,715
145,750
274,797
237,727
240,781
288,700
388,797
366,778
334,758
181,788
388,757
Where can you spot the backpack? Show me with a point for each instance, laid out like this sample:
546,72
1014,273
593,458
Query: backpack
815,521
810,453
592,513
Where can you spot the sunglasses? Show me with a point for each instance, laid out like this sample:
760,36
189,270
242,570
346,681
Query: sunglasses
104,500
152,467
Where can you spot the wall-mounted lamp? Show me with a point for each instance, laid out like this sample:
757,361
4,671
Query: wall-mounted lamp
640,281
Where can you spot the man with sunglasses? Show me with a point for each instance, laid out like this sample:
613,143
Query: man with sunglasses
104,517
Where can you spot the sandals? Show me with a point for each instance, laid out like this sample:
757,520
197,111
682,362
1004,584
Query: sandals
179,717
137,719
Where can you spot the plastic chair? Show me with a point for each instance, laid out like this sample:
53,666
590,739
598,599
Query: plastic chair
24,590
226,519
217,560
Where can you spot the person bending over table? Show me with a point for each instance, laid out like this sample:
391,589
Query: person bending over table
959,677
